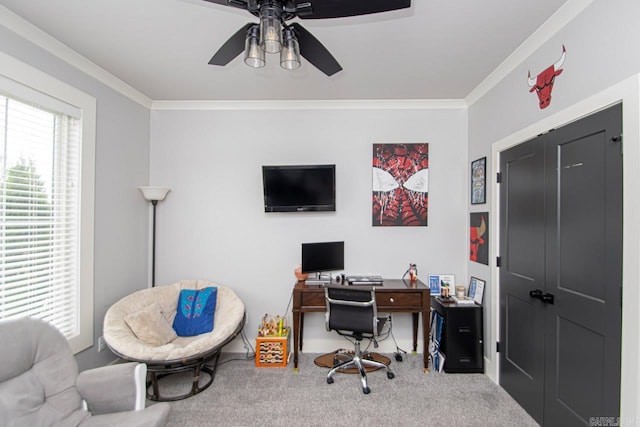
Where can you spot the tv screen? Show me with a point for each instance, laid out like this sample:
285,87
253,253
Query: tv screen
322,256
299,188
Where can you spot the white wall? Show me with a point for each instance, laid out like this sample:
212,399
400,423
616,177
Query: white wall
122,164
601,68
212,225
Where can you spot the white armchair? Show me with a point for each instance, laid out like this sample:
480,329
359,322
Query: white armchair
40,384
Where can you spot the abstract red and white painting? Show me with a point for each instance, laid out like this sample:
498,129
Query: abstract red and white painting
400,184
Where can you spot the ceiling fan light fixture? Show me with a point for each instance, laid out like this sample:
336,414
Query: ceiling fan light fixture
270,29
253,54
274,15
290,53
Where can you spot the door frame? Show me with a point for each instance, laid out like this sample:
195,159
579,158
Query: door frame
627,92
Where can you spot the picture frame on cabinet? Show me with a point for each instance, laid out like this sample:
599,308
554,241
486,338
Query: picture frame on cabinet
476,289
438,281
478,181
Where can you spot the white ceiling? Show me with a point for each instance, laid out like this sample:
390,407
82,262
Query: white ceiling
437,49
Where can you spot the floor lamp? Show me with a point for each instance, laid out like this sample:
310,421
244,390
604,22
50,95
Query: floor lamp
154,195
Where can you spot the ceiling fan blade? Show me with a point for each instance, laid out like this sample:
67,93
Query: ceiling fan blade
242,4
321,9
232,47
314,51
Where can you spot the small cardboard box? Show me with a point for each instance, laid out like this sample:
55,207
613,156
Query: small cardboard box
273,351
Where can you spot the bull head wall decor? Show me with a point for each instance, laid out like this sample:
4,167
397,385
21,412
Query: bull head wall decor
543,83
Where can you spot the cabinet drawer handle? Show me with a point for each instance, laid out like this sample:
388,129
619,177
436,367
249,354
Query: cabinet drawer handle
391,300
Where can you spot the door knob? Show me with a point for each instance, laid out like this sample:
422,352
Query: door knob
546,298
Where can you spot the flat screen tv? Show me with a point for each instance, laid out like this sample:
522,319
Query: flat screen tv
299,188
322,256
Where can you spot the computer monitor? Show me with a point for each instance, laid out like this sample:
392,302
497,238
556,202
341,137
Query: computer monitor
321,257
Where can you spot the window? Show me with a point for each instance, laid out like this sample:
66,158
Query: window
47,145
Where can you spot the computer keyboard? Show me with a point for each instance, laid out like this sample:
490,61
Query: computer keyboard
364,280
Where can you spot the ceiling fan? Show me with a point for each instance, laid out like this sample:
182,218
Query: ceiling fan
274,35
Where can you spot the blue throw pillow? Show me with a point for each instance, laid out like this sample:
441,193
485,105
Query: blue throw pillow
196,310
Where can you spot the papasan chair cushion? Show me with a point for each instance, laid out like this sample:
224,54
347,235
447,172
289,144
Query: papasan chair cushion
138,328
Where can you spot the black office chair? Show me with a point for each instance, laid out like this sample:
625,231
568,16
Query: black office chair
351,312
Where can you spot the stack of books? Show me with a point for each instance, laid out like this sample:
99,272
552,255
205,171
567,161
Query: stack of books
463,300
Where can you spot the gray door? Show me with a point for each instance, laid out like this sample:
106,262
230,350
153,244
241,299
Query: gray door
570,317
522,270
584,269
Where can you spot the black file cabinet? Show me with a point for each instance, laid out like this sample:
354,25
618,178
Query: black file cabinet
461,340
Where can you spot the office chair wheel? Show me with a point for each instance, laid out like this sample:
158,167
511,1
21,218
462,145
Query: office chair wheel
366,390
329,380
391,375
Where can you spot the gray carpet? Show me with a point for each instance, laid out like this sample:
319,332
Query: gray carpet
243,395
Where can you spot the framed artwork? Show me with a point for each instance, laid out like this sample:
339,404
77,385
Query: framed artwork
476,289
478,181
437,281
479,237
400,184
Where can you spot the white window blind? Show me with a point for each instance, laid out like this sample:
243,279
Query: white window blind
39,214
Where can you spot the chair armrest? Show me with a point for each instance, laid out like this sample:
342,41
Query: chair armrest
114,388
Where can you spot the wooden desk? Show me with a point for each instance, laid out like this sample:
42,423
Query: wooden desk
395,296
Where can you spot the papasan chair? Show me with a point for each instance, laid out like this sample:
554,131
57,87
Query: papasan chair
139,328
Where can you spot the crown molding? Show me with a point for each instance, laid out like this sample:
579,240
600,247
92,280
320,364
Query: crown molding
548,29
373,104
40,38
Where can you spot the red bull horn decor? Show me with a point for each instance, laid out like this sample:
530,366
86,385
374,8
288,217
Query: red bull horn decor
542,84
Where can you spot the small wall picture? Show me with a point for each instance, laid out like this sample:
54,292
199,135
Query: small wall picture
479,237
476,289
478,181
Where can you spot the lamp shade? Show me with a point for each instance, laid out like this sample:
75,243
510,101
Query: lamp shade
253,53
290,53
270,30
154,193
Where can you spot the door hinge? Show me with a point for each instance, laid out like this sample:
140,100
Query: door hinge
499,177
618,139
498,261
497,346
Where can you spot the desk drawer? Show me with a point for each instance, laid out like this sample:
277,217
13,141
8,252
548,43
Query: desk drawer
398,299
313,299
386,300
